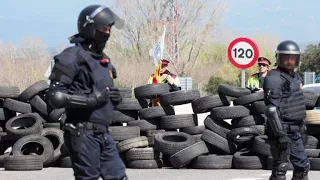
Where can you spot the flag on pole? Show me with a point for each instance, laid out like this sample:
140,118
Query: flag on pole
157,52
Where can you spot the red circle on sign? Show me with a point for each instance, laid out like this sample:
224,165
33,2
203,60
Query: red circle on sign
255,51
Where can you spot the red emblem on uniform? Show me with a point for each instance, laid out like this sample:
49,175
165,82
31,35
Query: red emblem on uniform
104,61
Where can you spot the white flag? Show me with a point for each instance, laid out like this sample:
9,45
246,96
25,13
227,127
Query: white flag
157,50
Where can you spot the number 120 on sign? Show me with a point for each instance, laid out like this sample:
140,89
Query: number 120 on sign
242,53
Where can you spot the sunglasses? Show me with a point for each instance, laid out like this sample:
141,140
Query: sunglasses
264,65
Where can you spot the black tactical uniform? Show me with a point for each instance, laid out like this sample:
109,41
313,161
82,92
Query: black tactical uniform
82,83
286,112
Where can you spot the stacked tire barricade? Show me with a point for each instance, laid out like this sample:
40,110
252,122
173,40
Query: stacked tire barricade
233,136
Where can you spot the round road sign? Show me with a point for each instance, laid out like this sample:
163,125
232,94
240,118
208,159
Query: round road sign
243,52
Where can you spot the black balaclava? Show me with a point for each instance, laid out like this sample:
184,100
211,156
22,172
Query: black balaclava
99,41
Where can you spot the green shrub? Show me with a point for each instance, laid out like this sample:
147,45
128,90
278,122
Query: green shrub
214,81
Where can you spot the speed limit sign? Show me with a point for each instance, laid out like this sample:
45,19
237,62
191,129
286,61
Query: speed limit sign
243,53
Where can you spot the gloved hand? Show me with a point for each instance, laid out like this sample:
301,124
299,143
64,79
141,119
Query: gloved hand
114,95
101,96
283,142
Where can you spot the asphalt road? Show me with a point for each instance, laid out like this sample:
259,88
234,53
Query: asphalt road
152,174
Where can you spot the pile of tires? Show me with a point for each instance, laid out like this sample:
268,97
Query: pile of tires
30,137
233,134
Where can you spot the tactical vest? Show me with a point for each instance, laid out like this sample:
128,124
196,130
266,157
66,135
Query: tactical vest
92,75
292,104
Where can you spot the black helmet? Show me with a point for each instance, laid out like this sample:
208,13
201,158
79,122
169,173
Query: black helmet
94,16
288,47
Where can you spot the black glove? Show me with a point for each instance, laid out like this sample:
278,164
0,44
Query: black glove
283,142
101,96
114,95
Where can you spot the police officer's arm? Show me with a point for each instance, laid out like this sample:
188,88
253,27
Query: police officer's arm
272,89
65,69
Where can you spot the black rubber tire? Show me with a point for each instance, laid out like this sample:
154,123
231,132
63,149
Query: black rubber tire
151,90
17,106
19,147
170,143
248,121
218,142
133,114
23,163
246,160
213,162
5,114
258,108
221,128
65,162
179,97
250,98
31,122
313,153
260,146
56,138
119,117
312,142
33,90
55,115
52,125
155,122
9,92
193,130
121,133
152,133
207,103
156,112
310,99
261,129
131,143
178,121
125,92
4,146
145,164
232,91
39,105
186,155
143,124
142,154
197,138
314,163
129,104
229,112
242,134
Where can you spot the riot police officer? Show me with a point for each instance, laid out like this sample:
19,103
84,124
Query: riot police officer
286,112
82,83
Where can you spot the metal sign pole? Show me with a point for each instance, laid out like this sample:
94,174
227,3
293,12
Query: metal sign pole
243,78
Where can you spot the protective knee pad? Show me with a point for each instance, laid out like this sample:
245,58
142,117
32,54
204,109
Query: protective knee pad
282,168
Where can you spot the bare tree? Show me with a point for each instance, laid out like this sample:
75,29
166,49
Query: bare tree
189,23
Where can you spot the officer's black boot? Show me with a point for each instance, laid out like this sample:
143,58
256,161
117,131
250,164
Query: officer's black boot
279,172
301,175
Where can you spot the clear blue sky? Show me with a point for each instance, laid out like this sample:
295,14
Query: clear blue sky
54,21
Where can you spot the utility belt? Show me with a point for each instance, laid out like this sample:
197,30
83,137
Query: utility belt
292,127
81,127
75,133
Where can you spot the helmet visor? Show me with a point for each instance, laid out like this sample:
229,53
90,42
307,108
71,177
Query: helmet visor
104,16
